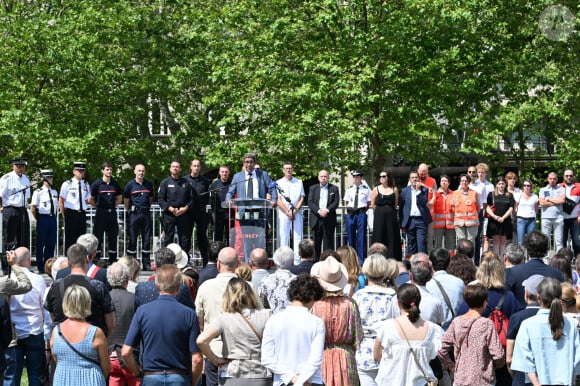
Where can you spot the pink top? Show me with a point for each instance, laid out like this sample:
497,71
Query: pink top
474,354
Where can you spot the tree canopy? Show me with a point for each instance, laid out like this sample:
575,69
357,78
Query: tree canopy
333,84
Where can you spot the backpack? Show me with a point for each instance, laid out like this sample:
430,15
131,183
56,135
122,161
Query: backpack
500,320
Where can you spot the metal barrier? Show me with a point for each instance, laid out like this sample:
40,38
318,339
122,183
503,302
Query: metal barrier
123,237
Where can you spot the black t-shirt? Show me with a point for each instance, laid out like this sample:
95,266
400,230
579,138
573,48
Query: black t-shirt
101,303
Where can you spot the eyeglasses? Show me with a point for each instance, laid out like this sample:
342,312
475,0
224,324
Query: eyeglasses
383,176
471,171
527,186
569,175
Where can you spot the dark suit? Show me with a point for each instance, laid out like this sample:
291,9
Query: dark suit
253,226
323,227
415,226
517,274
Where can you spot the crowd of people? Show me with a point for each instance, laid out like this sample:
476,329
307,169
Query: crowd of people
433,318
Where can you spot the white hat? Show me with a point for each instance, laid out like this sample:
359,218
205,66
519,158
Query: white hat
331,274
181,257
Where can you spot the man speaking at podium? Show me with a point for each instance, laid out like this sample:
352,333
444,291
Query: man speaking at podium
250,184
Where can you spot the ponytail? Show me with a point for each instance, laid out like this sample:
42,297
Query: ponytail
413,313
556,319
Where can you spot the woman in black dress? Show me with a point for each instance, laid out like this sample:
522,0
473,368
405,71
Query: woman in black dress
499,226
384,200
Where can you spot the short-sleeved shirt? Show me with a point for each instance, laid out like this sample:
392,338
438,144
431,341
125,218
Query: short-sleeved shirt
101,302
364,196
41,200
164,345
10,184
553,211
482,189
69,191
139,194
105,193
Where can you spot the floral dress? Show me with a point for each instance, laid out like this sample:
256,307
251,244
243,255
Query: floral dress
344,334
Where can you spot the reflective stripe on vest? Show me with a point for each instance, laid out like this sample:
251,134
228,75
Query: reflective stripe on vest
443,208
466,213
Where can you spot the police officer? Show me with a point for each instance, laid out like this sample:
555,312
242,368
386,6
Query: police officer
73,203
176,198
106,194
15,192
220,189
357,200
44,207
138,200
199,214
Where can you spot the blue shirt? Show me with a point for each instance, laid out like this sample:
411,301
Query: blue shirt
139,194
105,194
554,361
146,292
515,321
453,286
164,345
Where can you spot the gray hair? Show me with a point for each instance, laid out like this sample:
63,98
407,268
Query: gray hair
117,274
515,254
284,257
90,242
133,265
421,271
57,265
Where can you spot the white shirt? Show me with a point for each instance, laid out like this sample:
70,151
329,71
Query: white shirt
26,309
323,199
364,196
576,210
255,188
41,200
483,189
293,189
10,183
69,191
292,343
430,307
527,207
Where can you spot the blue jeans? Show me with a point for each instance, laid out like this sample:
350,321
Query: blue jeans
572,230
525,226
166,380
31,347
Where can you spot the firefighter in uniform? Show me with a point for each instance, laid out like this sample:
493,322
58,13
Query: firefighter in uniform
106,194
176,199
73,203
138,200
357,199
44,207
199,215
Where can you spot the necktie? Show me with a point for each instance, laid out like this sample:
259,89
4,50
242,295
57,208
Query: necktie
250,190
81,196
356,198
52,213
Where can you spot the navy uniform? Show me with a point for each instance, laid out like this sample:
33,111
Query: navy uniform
175,193
199,215
73,203
15,192
106,195
221,221
357,199
138,200
44,207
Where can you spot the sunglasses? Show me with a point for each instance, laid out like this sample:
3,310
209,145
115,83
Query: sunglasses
383,176
471,171
527,185
569,175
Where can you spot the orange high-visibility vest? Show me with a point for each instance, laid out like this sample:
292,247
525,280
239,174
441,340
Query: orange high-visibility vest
466,210
443,210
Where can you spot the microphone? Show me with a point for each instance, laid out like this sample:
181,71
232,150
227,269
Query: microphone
274,185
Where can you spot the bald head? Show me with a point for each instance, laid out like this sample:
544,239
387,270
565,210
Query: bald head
22,256
227,260
259,258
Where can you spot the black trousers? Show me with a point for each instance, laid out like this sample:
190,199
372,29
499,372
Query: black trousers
140,223
183,226
106,221
323,235
75,225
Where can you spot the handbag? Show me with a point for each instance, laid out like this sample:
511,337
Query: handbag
568,206
430,381
491,207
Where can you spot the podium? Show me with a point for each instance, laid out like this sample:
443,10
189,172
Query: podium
251,222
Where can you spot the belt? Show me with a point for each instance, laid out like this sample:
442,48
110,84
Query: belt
105,210
74,210
14,207
168,371
46,215
140,210
526,218
354,212
416,217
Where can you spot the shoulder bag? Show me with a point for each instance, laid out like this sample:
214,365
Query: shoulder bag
446,297
252,327
75,350
430,381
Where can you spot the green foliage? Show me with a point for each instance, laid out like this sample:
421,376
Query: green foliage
333,84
